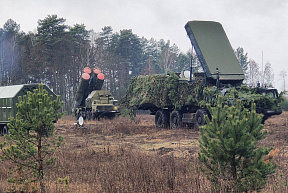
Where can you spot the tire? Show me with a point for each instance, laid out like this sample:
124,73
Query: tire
162,119
175,119
264,118
89,115
83,114
77,116
5,130
1,130
200,118
95,116
111,116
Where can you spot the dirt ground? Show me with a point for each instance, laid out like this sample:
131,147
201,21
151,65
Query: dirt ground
141,134
121,155
110,136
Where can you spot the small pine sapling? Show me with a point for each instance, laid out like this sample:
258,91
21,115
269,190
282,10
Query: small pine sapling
229,151
31,143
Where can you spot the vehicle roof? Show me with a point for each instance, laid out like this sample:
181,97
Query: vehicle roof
13,90
99,93
10,91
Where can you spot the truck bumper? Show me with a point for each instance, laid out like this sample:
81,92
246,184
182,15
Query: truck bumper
270,113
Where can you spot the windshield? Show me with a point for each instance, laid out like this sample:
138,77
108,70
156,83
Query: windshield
271,93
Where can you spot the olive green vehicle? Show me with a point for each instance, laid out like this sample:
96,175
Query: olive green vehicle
99,103
90,101
176,99
9,98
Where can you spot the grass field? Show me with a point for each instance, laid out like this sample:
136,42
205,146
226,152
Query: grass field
120,155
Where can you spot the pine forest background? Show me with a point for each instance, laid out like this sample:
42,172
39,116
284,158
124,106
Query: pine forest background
55,54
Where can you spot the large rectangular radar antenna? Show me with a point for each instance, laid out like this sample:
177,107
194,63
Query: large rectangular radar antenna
214,51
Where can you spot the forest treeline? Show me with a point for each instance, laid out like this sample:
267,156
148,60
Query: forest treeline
55,54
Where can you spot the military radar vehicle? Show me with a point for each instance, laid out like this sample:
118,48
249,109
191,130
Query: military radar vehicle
9,98
91,101
175,99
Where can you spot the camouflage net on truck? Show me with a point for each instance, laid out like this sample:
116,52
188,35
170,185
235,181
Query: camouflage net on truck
169,91
162,91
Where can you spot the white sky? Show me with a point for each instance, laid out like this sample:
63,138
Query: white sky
255,25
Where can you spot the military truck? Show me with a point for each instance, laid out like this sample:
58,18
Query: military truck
9,98
175,99
91,102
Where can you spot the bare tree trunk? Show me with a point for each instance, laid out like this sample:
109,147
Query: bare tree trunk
40,162
1,63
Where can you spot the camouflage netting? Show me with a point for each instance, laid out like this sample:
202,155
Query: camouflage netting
161,91
146,92
244,93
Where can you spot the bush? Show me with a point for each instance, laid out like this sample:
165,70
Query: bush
229,149
284,105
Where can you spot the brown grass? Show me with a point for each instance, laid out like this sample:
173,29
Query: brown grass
133,156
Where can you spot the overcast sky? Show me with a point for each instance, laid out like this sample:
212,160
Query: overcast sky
255,25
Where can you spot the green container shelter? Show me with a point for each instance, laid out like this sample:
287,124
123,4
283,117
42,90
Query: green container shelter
9,98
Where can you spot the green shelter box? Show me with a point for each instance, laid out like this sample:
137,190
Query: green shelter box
9,98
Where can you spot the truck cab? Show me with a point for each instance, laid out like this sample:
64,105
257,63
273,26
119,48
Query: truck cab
91,101
102,103
275,108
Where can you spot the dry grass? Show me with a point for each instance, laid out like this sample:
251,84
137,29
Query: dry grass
133,156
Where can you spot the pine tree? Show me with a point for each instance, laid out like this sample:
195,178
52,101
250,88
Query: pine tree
231,158
31,145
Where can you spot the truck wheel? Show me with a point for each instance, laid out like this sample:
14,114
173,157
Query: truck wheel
200,118
5,130
1,130
264,118
175,119
89,115
84,115
77,116
80,114
110,116
95,116
161,119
